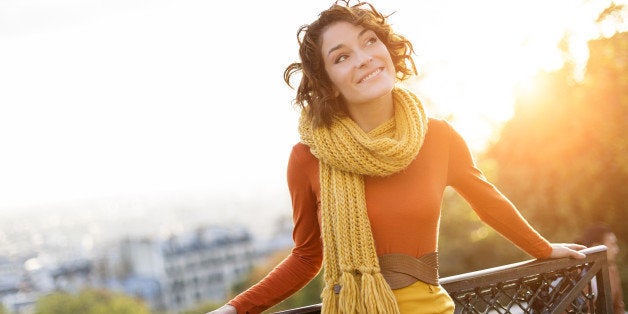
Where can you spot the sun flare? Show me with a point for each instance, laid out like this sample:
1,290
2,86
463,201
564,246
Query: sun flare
473,63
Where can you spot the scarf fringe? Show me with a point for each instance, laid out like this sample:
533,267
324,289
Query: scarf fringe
330,300
378,297
349,296
368,294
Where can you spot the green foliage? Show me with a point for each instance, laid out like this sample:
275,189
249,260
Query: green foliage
563,158
89,301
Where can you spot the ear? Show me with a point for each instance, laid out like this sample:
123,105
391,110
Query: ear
336,93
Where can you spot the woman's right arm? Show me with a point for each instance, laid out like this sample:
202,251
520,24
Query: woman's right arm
305,259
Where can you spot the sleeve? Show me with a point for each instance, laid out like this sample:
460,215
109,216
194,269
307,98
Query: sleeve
305,259
492,206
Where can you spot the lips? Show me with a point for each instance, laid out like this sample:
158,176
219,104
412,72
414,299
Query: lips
370,75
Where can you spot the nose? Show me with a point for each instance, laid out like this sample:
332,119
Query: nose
363,59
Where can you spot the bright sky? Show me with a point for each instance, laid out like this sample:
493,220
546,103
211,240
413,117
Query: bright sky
131,97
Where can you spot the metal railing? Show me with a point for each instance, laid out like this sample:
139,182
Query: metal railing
538,286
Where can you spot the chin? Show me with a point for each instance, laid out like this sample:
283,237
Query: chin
379,90
372,95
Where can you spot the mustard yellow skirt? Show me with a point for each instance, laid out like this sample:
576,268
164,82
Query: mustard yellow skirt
423,298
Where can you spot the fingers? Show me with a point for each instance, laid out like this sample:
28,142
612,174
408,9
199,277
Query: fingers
574,246
567,250
572,250
576,254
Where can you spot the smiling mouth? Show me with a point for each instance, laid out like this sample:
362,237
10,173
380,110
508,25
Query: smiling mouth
371,75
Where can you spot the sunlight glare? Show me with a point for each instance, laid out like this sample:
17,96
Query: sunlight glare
131,97
478,55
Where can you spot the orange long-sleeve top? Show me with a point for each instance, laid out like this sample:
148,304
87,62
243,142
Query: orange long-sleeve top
403,209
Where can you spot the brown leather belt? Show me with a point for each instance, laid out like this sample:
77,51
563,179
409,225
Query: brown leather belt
401,270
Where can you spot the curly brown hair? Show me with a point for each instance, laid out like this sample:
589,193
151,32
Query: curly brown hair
315,93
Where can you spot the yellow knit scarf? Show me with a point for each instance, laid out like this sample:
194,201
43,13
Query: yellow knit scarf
353,281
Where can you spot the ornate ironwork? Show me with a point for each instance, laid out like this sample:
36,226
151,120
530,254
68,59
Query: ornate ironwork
547,286
537,286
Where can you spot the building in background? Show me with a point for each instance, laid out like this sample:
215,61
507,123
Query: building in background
171,274
182,271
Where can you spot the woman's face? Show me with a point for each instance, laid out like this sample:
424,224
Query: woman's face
358,63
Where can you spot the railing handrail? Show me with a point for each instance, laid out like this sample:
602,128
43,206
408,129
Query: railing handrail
504,272
498,269
530,265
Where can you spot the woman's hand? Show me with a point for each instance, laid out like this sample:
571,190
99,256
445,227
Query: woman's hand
567,250
225,309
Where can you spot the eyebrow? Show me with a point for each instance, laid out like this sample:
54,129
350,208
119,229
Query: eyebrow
342,45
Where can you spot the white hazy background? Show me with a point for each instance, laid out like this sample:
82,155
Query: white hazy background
176,111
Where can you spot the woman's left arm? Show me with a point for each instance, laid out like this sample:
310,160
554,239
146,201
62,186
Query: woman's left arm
494,208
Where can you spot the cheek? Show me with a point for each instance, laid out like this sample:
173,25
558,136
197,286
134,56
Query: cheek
383,52
392,65
338,77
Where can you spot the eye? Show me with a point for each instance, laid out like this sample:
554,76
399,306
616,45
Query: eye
371,40
340,58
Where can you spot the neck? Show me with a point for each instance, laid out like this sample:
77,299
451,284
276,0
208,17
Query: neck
370,115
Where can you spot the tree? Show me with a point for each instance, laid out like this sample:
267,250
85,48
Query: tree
89,301
563,158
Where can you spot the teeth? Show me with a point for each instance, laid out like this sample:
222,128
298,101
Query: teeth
370,76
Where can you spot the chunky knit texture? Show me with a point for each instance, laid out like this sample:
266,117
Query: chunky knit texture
346,153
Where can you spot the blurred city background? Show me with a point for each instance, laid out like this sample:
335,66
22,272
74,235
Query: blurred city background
143,145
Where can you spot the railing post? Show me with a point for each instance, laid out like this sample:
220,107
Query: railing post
605,300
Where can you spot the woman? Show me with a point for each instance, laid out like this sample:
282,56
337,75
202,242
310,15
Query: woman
367,179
